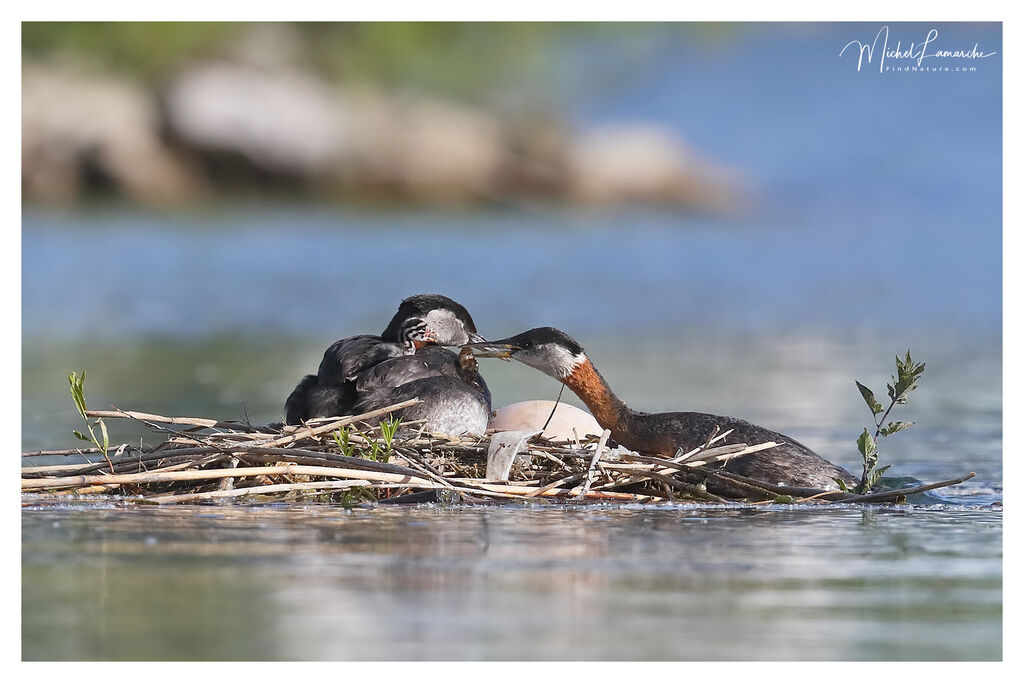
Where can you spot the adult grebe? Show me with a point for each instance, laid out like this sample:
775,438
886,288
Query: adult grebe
365,372
557,354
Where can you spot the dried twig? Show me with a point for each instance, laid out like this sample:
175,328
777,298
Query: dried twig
894,495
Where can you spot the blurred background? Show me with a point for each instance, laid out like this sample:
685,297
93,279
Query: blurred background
730,218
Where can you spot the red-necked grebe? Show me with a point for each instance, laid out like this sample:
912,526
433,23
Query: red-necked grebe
557,354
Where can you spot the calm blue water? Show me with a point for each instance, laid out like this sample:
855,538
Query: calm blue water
876,227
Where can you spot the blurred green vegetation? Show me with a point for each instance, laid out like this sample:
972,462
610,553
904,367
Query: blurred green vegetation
461,59
146,50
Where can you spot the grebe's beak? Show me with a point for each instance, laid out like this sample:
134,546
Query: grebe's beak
494,349
474,339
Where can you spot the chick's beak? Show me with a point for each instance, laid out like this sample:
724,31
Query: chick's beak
429,338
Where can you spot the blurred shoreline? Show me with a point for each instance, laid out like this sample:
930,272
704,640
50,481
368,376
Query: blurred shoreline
222,128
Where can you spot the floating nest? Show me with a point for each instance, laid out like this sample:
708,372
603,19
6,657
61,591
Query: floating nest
364,458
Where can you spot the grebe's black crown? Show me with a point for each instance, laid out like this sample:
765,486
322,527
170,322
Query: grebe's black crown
544,335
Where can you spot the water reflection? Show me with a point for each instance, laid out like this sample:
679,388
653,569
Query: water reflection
533,582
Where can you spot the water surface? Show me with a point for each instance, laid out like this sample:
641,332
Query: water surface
533,582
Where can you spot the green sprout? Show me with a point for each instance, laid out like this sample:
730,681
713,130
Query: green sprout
78,395
374,450
388,428
341,439
902,383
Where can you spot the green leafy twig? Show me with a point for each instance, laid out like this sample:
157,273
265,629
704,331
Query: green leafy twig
902,383
77,383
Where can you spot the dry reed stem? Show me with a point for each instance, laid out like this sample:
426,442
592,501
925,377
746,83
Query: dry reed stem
680,457
687,460
685,487
59,468
728,454
176,467
414,460
300,433
479,488
558,482
149,417
63,451
161,477
261,490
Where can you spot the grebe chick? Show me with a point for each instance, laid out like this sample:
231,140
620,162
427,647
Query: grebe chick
558,355
332,391
358,371
452,404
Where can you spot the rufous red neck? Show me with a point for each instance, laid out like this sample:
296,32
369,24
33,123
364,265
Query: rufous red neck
587,383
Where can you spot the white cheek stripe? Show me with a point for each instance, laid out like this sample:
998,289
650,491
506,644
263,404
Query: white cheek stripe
567,364
575,362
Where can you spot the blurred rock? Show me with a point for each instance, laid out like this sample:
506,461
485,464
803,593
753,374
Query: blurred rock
281,121
424,148
644,163
291,125
537,155
228,125
82,132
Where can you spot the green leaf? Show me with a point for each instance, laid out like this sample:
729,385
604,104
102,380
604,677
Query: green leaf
81,436
905,380
388,428
904,386
78,391
866,444
341,438
874,477
894,427
840,483
106,439
869,398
